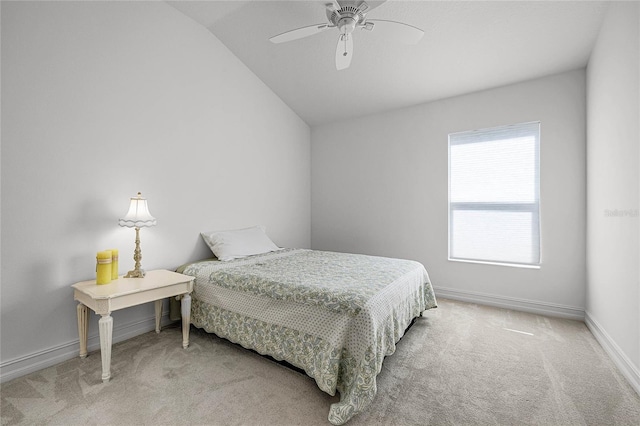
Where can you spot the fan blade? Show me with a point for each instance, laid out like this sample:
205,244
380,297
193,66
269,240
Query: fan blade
344,51
403,33
331,8
363,6
372,4
333,5
299,33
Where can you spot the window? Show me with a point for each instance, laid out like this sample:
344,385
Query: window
494,195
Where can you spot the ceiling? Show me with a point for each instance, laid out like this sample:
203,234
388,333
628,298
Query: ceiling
467,46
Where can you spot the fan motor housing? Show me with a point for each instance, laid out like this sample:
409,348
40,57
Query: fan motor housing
347,18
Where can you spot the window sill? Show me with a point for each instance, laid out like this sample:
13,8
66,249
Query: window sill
485,262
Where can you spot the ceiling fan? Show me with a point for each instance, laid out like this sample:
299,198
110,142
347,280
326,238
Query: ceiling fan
346,16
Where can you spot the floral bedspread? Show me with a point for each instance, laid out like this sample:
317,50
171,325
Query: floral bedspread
334,315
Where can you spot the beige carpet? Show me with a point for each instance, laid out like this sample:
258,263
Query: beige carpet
462,364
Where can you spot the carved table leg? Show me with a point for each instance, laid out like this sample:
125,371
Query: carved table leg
83,325
158,314
185,311
105,326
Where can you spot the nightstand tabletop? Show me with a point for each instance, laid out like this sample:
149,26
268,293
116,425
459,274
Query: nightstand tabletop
124,286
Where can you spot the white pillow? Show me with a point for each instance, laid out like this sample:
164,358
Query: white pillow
238,243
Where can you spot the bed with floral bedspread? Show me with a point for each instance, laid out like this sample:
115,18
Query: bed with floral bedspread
334,315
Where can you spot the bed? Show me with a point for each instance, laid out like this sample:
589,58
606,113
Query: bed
333,315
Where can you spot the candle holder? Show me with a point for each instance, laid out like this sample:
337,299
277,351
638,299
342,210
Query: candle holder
137,217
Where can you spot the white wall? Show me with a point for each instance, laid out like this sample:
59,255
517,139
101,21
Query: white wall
104,99
379,186
613,182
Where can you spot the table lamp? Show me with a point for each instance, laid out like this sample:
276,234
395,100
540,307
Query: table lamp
137,217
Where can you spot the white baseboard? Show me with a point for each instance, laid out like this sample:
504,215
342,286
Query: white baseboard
30,363
46,358
532,306
624,364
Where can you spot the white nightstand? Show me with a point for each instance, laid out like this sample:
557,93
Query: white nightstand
123,293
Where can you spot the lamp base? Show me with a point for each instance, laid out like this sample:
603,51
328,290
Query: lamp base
136,273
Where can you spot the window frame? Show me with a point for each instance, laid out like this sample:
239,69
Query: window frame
483,136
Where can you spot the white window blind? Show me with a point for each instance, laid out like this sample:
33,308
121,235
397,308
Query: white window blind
494,195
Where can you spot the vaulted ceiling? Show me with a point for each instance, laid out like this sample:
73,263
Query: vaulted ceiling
467,46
